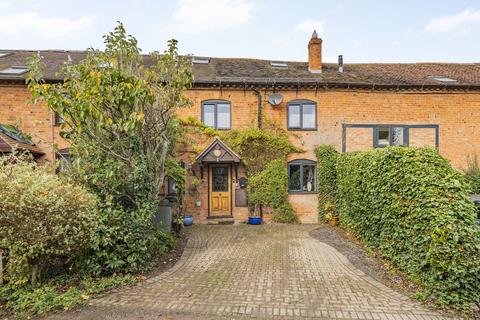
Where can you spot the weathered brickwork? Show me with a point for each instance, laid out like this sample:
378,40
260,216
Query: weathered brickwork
36,120
456,114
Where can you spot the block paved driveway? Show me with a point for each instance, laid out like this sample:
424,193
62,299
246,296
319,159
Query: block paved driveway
270,271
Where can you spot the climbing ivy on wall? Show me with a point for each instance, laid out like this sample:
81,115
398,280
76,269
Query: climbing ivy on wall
264,153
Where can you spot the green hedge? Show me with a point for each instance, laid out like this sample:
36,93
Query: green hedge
414,207
326,180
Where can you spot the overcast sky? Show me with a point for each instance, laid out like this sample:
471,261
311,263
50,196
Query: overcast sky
361,30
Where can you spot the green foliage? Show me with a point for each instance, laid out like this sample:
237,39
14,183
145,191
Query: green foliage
120,119
326,180
200,127
45,220
38,300
411,205
270,188
258,147
472,174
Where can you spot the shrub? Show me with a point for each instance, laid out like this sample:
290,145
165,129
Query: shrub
270,188
472,174
258,147
414,207
45,220
326,180
56,295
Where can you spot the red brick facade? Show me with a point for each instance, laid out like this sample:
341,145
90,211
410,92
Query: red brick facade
340,117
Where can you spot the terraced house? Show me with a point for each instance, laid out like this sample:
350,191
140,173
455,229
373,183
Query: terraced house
350,106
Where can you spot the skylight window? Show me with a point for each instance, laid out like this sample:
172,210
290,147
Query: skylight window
4,54
14,70
443,79
201,60
278,64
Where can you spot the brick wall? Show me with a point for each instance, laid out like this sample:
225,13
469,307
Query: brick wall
36,120
456,114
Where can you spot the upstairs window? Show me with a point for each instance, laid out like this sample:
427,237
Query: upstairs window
385,136
302,115
217,114
301,176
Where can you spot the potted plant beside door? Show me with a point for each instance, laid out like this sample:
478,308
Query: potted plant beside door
254,217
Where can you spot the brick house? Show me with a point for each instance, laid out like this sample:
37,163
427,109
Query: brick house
352,107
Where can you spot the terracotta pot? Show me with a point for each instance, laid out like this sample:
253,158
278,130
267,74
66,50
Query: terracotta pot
333,222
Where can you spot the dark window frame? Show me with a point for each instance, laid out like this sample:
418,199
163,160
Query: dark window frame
215,103
301,103
302,163
376,129
346,126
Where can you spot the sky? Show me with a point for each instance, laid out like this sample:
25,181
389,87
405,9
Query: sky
360,30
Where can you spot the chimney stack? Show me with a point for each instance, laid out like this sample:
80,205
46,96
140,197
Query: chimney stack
340,63
315,54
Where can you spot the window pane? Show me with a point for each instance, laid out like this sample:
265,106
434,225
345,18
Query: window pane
383,138
308,116
308,183
294,116
397,136
223,116
294,179
209,115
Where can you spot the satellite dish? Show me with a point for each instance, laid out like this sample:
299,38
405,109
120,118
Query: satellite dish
275,99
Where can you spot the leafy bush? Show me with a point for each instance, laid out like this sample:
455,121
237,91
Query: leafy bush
37,301
45,220
258,147
472,174
414,207
270,188
326,180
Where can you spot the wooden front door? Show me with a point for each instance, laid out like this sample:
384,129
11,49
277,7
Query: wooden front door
220,193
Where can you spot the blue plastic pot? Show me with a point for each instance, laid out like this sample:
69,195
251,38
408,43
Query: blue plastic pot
187,220
254,220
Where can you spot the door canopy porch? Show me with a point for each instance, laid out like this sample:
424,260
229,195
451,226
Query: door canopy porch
217,152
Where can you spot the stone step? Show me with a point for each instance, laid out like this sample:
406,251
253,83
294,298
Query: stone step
216,221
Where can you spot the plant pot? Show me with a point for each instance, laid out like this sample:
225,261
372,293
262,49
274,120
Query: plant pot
187,220
255,220
333,222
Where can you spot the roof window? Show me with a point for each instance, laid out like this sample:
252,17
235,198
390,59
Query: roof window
4,54
14,70
278,64
443,79
201,60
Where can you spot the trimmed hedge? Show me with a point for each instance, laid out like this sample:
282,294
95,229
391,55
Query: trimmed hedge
326,180
411,205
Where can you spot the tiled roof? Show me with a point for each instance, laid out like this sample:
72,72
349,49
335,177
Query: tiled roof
255,71
11,138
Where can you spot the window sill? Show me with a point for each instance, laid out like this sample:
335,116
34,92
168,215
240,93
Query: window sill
300,129
302,192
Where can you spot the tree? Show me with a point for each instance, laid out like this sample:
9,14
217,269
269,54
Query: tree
119,109
120,102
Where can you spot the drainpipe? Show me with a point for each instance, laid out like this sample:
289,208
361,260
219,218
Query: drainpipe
259,107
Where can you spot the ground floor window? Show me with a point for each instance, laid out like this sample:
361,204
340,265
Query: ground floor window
385,136
301,176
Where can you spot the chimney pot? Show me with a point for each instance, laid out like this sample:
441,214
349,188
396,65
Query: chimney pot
315,53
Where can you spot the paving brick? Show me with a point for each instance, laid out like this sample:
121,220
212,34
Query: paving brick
223,266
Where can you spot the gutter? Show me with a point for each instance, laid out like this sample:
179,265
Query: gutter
259,106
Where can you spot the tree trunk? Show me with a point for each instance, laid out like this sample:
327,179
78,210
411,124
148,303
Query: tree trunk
1,267
35,274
